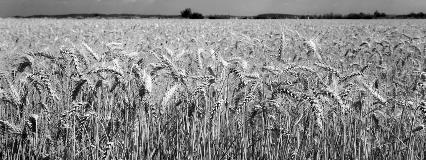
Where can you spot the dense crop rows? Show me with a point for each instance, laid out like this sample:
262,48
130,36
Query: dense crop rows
231,89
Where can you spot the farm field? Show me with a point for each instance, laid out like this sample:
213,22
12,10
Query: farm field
212,89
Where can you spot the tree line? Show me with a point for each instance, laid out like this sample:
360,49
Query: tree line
361,15
187,13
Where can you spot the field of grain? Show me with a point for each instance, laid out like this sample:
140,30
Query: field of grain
212,89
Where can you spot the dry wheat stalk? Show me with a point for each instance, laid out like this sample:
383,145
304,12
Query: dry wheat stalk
222,61
169,52
169,94
51,91
319,114
205,78
239,74
424,49
175,72
282,46
46,55
43,81
147,79
155,67
328,68
94,54
422,108
334,94
201,89
304,68
32,122
418,128
25,61
114,46
249,97
78,88
200,59
2,92
180,54
216,106
8,128
77,64
312,48
13,92
211,71
109,69
132,55
349,77
272,69
213,54
243,63
371,90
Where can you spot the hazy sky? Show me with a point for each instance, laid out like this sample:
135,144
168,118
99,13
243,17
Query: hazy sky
235,7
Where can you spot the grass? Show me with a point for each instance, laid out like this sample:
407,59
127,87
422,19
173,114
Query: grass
227,89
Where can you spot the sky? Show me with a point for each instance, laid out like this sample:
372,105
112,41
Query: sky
233,7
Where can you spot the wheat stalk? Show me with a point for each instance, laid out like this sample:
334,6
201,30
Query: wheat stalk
272,69
78,88
319,114
328,68
180,54
371,90
175,72
253,75
94,54
44,55
77,65
32,122
349,77
51,91
26,61
112,46
213,54
200,59
312,48
169,52
45,82
240,74
243,63
249,97
109,69
205,78
222,61
168,95
147,79
2,92
13,92
132,55
216,106
282,46
8,128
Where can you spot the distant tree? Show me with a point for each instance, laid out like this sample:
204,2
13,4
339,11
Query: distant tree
186,13
416,15
377,14
219,17
421,15
361,15
196,15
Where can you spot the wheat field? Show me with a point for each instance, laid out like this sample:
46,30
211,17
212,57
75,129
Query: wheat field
212,89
